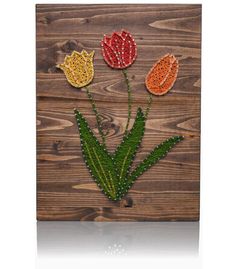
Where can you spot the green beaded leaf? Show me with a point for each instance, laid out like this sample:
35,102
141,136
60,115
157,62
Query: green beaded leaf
126,151
158,153
112,172
97,159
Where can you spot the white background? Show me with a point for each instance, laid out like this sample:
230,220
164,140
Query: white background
17,150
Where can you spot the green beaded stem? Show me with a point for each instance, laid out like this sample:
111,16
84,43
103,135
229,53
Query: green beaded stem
129,99
148,105
98,117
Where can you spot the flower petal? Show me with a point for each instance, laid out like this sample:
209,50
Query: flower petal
124,34
116,45
109,55
91,54
85,54
172,75
129,49
107,39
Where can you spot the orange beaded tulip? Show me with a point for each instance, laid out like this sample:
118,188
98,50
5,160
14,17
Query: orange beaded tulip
162,75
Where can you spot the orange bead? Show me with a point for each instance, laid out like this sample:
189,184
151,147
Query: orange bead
162,76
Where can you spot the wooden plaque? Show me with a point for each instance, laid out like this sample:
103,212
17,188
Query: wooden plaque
170,190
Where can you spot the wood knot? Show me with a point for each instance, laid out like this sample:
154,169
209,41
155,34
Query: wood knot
69,46
45,20
54,69
127,202
56,145
106,125
106,210
63,165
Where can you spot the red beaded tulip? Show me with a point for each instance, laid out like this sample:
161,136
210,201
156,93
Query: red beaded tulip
119,51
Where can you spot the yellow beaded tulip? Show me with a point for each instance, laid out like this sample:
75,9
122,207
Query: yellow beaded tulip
78,68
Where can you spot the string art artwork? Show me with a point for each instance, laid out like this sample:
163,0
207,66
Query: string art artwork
112,171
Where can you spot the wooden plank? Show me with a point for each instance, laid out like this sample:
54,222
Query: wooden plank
169,190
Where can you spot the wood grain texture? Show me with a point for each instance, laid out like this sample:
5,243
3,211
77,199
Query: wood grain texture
170,189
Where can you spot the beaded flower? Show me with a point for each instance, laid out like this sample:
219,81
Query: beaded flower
119,51
162,75
78,68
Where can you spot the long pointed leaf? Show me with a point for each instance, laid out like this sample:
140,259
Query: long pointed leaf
153,157
126,151
97,159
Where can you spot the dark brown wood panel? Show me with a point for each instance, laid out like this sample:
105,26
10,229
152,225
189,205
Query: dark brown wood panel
170,189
